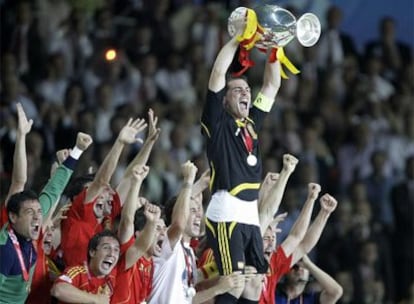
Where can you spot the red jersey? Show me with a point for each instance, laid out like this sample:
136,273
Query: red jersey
136,281
3,215
44,274
79,227
81,278
279,265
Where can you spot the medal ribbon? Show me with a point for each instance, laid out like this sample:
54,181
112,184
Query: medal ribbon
16,246
188,264
264,289
247,140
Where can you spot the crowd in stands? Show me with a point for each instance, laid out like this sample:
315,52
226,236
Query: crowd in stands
348,117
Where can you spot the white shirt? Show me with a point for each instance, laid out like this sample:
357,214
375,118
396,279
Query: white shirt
170,280
224,207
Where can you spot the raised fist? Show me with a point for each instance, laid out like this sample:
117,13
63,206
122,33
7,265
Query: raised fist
189,171
83,141
271,178
268,183
289,162
313,191
140,172
152,212
328,203
61,155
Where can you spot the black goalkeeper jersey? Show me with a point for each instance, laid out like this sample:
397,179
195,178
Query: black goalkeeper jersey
226,150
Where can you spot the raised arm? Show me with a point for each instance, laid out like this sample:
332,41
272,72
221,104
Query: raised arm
265,205
328,205
19,173
61,156
271,84
103,175
277,220
143,242
331,290
271,194
132,204
54,223
221,65
271,80
143,155
201,184
301,225
51,193
181,210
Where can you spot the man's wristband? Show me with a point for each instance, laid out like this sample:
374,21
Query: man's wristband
75,153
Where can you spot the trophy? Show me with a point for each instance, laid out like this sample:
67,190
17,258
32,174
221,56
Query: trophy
276,26
269,26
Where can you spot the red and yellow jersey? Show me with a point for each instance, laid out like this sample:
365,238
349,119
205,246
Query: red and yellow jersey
80,226
136,281
81,278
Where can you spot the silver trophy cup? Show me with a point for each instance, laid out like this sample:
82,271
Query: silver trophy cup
279,26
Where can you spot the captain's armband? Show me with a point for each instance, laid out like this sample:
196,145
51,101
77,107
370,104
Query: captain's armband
263,103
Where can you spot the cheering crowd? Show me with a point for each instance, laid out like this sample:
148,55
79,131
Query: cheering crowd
100,206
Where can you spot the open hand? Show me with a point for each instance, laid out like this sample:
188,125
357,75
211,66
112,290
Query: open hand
153,131
24,125
129,132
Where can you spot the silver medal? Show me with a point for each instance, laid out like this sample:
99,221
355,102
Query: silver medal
190,292
251,160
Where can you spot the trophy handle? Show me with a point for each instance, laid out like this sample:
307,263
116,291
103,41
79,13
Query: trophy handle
308,29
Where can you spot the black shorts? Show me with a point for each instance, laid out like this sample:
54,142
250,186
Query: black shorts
236,245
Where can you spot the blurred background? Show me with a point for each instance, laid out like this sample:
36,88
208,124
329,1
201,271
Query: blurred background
348,116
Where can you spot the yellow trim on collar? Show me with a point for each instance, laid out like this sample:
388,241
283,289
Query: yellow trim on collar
242,124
